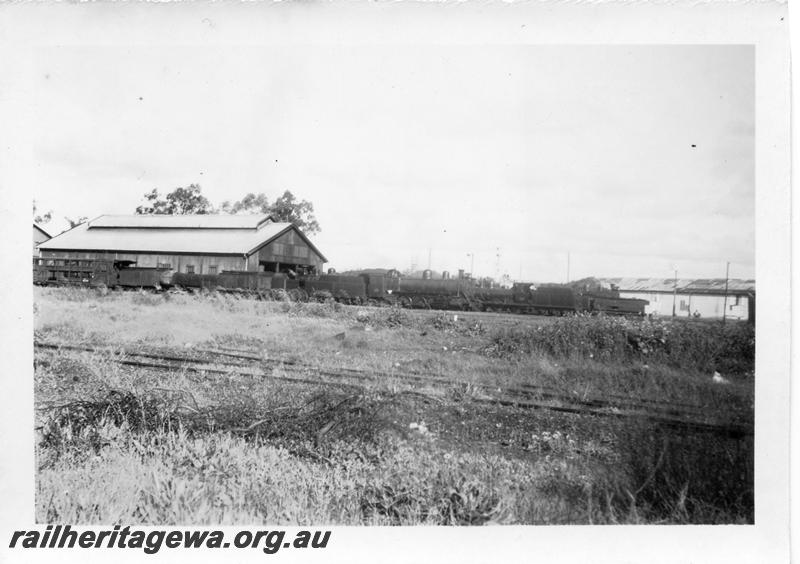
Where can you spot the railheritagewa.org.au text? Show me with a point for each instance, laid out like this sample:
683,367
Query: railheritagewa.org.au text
152,541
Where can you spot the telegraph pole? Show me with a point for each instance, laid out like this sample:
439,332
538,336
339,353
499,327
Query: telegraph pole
567,267
725,301
674,292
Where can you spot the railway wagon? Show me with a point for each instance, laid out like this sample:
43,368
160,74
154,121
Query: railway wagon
350,289
236,280
72,271
141,277
97,272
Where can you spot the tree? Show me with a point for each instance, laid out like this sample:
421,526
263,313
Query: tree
44,218
286,208
251,203
301,213
178,202
76,222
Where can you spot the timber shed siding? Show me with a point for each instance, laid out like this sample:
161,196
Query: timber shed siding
202,243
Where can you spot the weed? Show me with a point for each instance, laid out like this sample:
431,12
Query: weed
449,323
145,298
699,346
123,444
394,317
686,477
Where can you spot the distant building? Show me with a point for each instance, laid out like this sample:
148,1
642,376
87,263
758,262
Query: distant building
692,297
39,236
198,244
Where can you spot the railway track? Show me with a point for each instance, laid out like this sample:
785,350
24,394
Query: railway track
683,416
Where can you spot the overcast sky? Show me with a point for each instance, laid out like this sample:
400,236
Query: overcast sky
635,160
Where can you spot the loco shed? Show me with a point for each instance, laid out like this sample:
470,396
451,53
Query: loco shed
191,244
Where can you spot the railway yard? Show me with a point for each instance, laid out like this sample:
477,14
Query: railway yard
210,407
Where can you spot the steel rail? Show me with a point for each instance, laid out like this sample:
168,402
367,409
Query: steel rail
523,399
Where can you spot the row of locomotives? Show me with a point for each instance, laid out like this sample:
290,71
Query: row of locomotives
462,293
556,299
74,271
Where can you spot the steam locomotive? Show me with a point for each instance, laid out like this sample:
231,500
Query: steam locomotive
389,287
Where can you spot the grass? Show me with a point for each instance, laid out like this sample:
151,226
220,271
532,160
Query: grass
122,444
695,346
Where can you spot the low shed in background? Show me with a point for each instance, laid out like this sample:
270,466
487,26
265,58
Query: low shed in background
705,298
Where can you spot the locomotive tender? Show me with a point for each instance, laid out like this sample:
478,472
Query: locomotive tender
389,288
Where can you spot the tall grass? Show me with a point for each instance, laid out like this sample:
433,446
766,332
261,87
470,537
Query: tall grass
117,444
697,346
352,459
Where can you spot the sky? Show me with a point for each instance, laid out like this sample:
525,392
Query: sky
540,162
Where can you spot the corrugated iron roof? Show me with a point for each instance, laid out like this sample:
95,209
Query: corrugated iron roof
684,285
121,235
189,221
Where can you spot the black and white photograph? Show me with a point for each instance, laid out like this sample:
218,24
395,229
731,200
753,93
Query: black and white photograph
436,272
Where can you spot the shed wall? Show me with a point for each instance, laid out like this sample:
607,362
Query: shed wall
202,263
289,248
38,237
707,305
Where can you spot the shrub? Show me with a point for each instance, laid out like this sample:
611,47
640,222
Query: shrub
393,317
449,323
701,346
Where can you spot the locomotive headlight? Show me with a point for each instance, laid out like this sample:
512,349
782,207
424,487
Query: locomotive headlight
388,291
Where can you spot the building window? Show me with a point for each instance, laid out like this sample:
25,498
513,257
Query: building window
212,269
684,305
189,269
165,265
